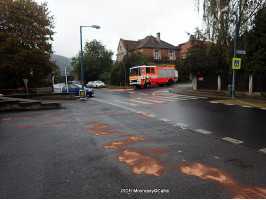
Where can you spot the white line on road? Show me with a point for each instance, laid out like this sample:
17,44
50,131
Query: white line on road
232,140
165,120
182,125
114,104
203,131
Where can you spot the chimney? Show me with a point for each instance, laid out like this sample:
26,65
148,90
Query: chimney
158,37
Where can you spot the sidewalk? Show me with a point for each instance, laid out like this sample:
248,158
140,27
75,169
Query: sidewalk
221,96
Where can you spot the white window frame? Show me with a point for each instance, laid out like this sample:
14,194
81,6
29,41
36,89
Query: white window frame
171,54
157,53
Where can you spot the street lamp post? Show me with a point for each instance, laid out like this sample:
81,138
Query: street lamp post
235,44
81,53
234,70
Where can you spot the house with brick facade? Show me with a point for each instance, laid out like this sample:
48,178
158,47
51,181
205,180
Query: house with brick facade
157,50
184,49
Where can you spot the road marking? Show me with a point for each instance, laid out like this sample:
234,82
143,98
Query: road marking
232,140
114,104
137,101
179,95
165,120
182,125
163,98
263,150
203,131
246,106
127,103
143,93
155,101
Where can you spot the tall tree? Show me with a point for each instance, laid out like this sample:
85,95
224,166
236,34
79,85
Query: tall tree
97,60
256,49
25,49
120,70
220,26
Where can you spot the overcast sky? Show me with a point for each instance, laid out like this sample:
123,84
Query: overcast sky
126,19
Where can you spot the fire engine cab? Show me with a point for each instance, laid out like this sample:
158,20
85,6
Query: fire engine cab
151,75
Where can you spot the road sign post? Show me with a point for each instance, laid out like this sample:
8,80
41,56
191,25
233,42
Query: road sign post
242,52
82,95
236,64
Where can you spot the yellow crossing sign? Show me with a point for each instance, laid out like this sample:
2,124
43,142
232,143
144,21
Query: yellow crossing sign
236,63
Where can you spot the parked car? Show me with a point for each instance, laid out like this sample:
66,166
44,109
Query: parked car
89,84
76,89
98,84
75,83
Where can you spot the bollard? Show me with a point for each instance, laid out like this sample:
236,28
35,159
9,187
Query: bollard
229,91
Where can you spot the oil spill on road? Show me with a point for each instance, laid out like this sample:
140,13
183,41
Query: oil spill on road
139,163
156,151
90,123
118,144
126,135
221,177
57,123
24,126
7,119
56,115
142,164
105,133
98,126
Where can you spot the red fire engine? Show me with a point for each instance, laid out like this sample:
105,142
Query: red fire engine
151,75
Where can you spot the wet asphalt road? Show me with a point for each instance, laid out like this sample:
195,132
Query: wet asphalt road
246,125
93,149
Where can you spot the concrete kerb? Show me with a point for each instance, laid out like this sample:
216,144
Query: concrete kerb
46,96
9,104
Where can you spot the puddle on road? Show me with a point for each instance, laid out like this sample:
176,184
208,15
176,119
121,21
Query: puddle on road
142,164
221,177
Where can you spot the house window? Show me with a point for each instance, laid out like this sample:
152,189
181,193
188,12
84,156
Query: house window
157,53
171,55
